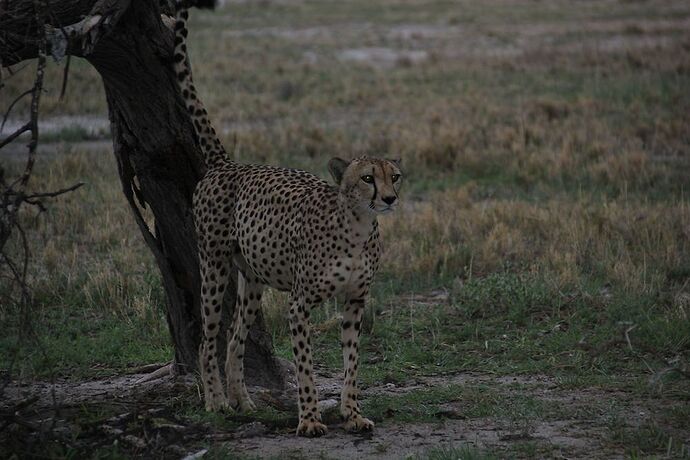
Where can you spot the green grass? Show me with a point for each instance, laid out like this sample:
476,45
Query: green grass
76,346
466,452
473,402
509,324
645,441
95,311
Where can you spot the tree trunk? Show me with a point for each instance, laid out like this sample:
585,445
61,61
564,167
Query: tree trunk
158,159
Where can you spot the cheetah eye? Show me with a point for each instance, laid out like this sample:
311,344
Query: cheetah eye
395,177
369,179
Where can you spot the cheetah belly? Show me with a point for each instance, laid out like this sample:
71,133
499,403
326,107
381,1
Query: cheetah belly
268,255
272,267
264,239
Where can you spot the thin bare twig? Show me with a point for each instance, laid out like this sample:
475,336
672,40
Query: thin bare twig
38,86
55,193
25,319
16,273
627,335
9,109
65,75
15,134
13,195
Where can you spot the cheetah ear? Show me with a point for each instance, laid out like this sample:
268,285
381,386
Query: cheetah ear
337,167
396,161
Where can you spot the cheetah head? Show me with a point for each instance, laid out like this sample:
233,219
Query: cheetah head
370,184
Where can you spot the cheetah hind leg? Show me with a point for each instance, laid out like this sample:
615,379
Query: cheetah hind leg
214,397
249,291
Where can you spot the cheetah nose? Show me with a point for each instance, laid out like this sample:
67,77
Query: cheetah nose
388,199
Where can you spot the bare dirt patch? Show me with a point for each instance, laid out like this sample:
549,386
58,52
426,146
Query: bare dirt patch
156,418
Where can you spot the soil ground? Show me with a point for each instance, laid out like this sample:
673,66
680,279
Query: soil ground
145,419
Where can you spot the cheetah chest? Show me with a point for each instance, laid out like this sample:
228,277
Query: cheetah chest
346,274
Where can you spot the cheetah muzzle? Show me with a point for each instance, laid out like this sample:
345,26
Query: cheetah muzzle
291,231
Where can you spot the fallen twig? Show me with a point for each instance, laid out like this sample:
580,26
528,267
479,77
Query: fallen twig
146,368
128,438
157,374
627,335
196,455
11,414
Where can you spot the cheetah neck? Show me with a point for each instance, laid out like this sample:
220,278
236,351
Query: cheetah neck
358,224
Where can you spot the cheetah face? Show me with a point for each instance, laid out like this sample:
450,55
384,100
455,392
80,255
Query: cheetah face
370,184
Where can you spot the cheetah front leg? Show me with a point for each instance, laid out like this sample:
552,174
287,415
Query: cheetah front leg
215,270
249,292
309,416
352,327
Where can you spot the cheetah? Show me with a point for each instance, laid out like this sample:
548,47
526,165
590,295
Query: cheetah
292,231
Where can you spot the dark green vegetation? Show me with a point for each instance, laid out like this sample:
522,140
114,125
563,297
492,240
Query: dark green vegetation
546,230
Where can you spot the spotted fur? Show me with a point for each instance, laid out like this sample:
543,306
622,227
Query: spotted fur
294,232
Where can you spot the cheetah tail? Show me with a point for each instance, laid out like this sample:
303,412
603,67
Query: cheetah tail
213,150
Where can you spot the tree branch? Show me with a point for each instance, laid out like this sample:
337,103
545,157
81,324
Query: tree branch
15,134
74,28
9,109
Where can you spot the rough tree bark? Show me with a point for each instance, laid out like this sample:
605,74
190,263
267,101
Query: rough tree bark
158,159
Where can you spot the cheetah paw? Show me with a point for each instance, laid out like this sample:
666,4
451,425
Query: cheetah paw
358,423
240,400
216,403
311,428
246,405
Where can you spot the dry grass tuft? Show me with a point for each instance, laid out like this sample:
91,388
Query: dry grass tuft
634,244
72,244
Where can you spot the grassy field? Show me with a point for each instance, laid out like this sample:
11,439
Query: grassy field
545,230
